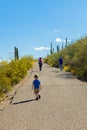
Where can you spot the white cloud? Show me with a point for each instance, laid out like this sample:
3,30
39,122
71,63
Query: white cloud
65,41
58,40
41,48
56,30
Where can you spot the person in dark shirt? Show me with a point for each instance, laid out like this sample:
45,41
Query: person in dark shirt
60,63
40,62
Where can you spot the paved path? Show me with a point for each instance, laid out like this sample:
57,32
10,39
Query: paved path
63,105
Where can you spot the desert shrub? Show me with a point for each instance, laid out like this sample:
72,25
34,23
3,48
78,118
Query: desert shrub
5,85
80,62
74,57
11,73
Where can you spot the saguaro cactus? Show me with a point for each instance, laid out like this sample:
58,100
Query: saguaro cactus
57,47
16,55
66,41
62,45
51,50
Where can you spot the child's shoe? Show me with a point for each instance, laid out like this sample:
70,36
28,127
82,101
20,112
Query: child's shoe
36,98
39,96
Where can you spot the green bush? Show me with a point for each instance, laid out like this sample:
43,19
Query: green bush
80,62
74,57
5,85
11,73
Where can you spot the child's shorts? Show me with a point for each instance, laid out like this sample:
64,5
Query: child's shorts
36,91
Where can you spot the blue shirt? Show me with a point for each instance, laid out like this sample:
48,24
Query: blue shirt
60,60
36,84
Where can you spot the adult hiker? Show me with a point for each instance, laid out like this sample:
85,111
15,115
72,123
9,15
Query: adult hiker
60,63
40,62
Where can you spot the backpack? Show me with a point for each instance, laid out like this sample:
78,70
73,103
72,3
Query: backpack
40,60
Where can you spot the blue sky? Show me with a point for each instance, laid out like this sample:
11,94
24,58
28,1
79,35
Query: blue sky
31,25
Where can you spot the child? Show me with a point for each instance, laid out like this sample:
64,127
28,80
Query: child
36,86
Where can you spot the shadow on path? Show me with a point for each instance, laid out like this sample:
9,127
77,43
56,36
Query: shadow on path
15,103
66,75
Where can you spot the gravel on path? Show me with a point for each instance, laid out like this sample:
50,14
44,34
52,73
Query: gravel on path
63,103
